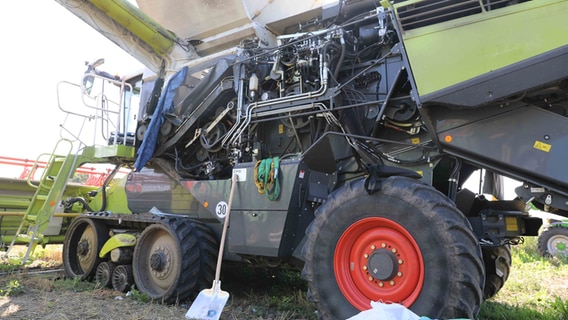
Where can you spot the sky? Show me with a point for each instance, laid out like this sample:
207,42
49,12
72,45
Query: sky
42,44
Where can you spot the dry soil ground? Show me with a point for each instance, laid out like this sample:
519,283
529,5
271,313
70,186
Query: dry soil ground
255,294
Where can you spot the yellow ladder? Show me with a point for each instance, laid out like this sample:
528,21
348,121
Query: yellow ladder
58,171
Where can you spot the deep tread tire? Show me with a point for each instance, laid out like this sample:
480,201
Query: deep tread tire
550,239
166,261
81,246
497,262
452,263
208,251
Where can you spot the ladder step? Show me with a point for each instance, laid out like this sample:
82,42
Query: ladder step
22,237
41,197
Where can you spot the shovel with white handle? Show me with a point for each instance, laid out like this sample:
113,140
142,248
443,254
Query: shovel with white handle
210,302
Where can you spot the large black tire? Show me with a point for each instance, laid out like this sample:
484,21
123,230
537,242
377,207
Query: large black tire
81,246
407,243
166,261
497,262
208,252
553,242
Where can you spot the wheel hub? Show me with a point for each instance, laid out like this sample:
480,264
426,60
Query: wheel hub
382,264
82,247
377,259
157,261
161,262
558,244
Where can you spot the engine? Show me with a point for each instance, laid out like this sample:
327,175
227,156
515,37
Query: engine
333,76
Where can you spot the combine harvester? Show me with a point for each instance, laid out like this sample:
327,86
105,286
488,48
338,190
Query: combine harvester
352,127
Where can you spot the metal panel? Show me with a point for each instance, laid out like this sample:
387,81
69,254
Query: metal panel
530,139
256,232
450,52
259,226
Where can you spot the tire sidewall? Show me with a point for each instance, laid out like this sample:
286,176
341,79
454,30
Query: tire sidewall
72,237
547,235
138,264
418,218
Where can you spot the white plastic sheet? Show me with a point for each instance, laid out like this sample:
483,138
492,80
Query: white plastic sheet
386,311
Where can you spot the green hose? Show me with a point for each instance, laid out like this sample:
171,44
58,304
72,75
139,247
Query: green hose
266,177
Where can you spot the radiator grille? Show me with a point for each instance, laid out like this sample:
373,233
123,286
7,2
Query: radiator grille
430,12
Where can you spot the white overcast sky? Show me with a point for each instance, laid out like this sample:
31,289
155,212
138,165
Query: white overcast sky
42,44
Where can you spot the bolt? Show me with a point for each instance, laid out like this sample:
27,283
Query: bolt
366,256
393,250
381,284
399,274
399,261
373,247
391,283
365,268
370,278
383,245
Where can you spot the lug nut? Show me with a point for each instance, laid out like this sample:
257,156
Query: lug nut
370,278
399,261
393,250
399,274
391,283
373,247
366,256
365,268
383,245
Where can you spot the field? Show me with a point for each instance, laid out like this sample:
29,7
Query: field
537,289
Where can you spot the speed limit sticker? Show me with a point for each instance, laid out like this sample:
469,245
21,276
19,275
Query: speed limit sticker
221,209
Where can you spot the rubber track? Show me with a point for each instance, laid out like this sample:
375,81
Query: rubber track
190,256
209,249
196,242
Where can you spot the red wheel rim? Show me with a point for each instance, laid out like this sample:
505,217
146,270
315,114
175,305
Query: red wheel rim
376,259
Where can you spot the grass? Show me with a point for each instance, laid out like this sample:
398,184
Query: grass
269,294
537,288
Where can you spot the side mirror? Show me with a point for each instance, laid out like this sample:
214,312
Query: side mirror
87,84
91,74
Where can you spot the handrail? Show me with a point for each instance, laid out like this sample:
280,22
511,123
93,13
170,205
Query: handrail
105,108
52,156
96,176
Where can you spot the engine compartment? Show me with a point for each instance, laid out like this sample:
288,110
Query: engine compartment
265,102
350,75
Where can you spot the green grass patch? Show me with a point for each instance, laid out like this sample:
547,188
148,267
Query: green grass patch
11,288
537,288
